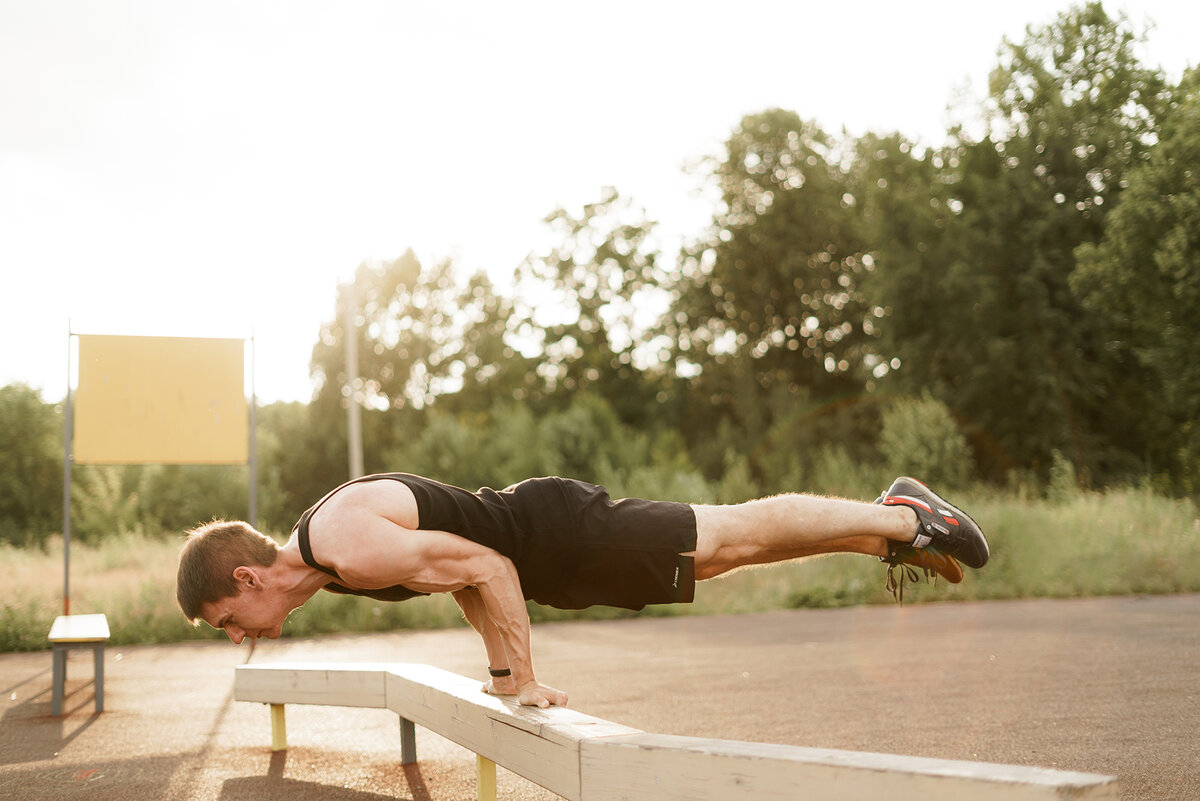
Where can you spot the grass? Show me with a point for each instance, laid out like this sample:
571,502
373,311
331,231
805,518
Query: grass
1121,542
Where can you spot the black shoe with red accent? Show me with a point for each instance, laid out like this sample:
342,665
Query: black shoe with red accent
948,529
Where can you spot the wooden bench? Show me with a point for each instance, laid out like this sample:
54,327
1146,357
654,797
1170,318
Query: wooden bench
583,758
77,631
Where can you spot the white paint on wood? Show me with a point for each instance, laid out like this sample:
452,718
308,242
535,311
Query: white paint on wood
79,628
584,758
540,744
669,768
360,685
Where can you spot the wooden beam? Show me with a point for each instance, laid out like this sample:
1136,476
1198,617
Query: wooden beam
584,758
332,684
669,768
540,744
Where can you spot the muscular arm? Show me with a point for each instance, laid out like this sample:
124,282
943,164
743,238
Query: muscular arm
370,551
504,607
469,600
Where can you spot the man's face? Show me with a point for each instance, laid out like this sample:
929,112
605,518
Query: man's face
254,612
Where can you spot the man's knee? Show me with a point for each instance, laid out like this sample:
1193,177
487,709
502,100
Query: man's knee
718,541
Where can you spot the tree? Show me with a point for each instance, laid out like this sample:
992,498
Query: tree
1143,279
1016,357
906,209
776,280
30,466
420,335
769,315
581,305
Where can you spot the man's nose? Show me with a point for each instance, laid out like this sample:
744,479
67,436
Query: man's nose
235,634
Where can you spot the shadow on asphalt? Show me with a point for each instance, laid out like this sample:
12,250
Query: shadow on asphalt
32,734
275,787
271,788
137,778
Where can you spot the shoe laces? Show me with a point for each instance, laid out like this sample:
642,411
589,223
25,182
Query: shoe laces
895,584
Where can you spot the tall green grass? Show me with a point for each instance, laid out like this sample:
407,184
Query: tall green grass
1075,544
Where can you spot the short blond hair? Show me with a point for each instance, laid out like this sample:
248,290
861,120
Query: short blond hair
210,555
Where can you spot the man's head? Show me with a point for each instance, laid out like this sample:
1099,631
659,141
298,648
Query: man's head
209,559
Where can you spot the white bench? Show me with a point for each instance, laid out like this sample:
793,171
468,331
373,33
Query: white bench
583,758
77,631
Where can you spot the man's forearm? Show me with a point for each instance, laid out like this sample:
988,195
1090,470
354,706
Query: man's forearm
504,608
504,625
471,603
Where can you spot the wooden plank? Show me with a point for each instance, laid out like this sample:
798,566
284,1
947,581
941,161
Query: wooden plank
331,684
668,768
541,745
79,628
583,758
560,725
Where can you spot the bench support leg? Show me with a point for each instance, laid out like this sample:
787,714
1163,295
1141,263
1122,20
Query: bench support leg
485,777
98,662
278,728
408,742
59,679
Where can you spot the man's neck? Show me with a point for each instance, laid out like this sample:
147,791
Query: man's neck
294,578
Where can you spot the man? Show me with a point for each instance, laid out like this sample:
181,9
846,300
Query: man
556,541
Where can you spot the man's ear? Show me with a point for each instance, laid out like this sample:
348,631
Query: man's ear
247,577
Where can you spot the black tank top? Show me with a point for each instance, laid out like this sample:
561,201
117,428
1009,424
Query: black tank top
484,517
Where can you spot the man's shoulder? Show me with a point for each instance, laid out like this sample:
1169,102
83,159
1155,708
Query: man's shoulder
360,503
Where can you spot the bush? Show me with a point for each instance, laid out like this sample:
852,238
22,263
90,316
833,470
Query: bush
920,438
31,452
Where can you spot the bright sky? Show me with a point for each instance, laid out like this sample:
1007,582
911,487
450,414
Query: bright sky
217,168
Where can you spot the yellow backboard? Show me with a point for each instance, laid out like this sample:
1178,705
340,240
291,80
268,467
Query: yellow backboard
161,400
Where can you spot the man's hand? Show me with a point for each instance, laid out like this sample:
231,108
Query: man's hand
534,694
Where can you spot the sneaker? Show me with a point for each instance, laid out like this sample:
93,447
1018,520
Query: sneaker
948,530
929,559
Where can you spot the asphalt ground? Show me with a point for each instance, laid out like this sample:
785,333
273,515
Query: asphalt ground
1108,685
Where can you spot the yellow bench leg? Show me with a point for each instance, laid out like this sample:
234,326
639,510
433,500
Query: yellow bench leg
278,728
485,776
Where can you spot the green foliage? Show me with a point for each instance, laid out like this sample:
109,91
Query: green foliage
982,314
836,472
302,455
585,440
422,333
176,497
579,300
770,301
1063,479
104,502
1143,279
1082,543
920,438
30,466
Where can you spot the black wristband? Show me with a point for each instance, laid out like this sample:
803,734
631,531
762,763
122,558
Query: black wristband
499,674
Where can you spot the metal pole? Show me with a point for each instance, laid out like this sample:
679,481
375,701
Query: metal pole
68,433
353,411
253,437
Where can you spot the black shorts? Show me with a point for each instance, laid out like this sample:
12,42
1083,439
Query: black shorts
585,549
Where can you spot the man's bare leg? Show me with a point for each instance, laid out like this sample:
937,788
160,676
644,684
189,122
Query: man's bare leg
793,526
